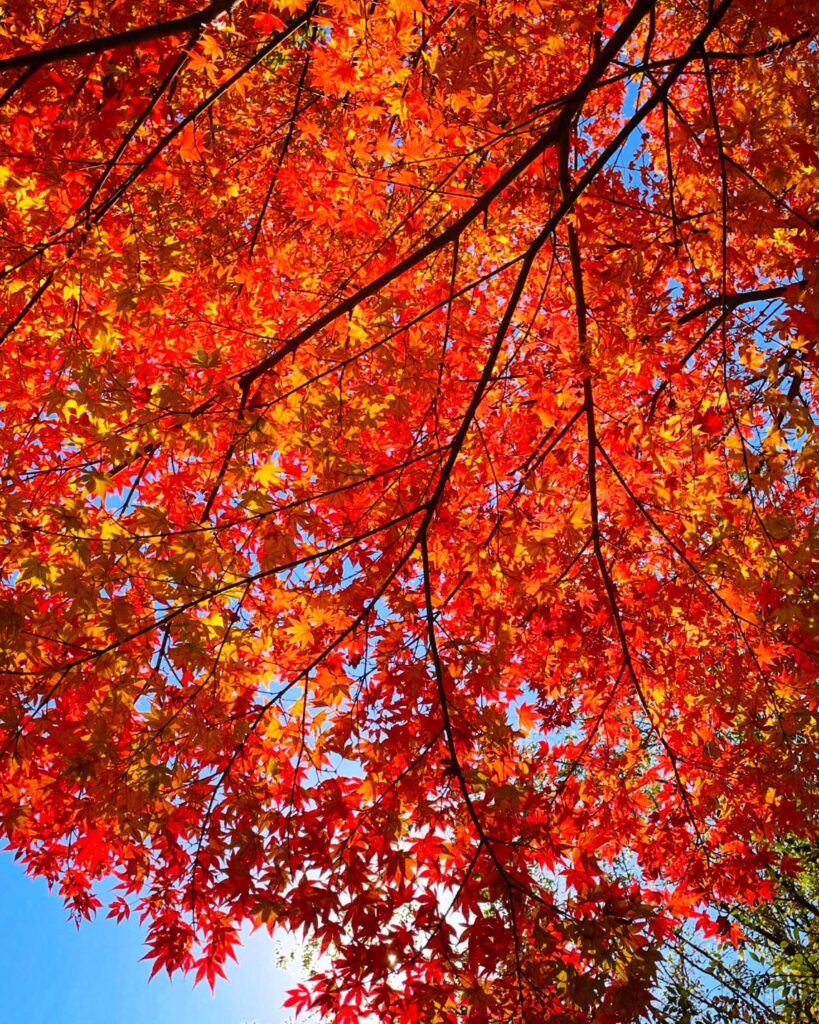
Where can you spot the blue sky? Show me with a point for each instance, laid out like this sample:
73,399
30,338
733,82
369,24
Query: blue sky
53,973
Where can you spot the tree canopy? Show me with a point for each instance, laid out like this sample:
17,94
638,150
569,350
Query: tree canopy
408,481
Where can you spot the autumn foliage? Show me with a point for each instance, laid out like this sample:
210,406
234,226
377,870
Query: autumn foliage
408,475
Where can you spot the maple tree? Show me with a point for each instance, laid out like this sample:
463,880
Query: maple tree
408,478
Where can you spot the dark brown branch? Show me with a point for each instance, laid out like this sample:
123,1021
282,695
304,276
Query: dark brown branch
285,146
27,308
130,37
584,346
731,302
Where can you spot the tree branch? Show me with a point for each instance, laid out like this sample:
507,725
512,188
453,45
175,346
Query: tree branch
130,37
